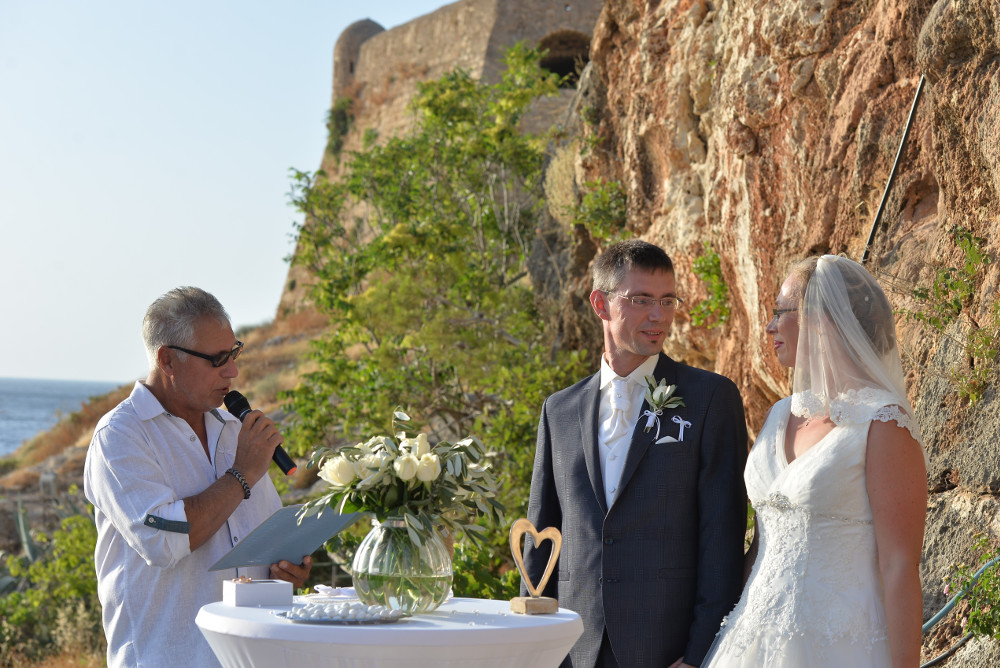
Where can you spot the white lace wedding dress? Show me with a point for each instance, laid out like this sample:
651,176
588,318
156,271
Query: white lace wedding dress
813,598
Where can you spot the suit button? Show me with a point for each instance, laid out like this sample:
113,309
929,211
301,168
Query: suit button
609,541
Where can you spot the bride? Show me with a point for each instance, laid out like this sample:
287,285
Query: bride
838,480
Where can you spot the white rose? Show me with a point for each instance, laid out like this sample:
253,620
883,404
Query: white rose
423,445
338,471
418,447
370,469
406,467
369,464
429,467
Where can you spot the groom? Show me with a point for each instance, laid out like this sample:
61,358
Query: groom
652,555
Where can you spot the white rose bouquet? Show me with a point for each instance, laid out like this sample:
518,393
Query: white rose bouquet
446,484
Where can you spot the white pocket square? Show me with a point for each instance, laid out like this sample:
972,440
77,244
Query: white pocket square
668,439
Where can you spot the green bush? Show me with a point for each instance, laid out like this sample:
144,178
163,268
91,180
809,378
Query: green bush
982,593
713,311
419,253
55,609
602,210
483,574
950,295
338,124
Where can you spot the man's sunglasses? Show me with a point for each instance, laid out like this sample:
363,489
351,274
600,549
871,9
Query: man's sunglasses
218,359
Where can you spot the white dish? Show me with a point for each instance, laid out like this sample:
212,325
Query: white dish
341,612
284,615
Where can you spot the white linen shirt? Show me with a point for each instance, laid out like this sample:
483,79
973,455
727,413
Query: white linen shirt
141,464
613,454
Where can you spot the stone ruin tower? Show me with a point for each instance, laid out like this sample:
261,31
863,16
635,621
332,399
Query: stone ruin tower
378,69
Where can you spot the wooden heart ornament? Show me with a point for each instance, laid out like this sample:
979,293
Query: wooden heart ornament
517,531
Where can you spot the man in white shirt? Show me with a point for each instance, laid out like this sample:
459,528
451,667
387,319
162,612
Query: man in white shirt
650,500
176,484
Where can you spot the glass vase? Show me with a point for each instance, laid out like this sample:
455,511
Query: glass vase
389,569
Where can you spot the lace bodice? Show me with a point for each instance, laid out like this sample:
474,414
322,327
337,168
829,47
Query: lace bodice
813,597
855,407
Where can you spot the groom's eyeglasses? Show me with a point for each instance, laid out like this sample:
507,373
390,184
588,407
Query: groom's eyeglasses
667,303
218,359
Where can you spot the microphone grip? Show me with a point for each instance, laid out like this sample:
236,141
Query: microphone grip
284,462
238,405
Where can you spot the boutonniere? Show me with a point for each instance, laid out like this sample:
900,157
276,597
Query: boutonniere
660,397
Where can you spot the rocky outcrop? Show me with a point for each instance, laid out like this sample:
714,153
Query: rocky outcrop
768,129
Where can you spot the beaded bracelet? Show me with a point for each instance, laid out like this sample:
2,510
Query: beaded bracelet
243,481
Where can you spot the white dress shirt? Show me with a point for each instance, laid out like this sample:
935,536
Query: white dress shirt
141,464
614,441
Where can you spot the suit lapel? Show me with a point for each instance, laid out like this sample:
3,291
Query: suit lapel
641,440
590,401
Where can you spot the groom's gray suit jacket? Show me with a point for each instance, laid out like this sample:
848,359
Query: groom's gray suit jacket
663,565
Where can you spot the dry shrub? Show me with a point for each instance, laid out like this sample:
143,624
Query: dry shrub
63,660
411,70
20,480
70,429
266,388
71,467
79,633
304,320
947,632
560,184
277,354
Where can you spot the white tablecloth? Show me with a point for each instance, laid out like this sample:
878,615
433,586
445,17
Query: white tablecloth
464,632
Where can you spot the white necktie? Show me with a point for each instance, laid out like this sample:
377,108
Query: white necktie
620,400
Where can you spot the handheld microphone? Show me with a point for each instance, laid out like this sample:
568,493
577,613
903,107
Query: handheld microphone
238,405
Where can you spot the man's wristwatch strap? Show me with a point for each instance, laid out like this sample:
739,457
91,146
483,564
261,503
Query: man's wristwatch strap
243,481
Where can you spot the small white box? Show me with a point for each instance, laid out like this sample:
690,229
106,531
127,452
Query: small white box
257,593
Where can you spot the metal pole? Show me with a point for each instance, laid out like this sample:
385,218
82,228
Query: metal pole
892,174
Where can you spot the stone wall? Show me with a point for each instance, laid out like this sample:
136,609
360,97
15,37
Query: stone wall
470,35
532,22
346,52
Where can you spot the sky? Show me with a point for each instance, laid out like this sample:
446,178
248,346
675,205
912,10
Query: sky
147,145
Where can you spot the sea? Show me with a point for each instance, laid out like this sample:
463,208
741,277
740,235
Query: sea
29,406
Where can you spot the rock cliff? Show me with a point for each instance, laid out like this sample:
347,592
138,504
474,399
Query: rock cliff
768,129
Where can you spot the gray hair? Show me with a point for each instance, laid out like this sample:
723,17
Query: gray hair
618,259
170,320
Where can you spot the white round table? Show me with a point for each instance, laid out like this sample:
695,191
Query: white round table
464,632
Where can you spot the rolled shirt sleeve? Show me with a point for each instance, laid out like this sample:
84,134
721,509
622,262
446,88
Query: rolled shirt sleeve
127,482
